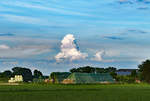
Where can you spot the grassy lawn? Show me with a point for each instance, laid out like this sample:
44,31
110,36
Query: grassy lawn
31,92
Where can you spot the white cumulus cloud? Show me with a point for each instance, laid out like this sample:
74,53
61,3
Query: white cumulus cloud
69,50
4,47
99,56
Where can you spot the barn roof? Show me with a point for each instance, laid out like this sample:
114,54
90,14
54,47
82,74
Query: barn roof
126,70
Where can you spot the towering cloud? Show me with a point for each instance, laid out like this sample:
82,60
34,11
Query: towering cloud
69,50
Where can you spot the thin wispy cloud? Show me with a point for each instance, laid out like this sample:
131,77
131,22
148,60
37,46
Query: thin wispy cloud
22,19
134,1
138,4
5,9
7,34
137,31
22,51
49,9
113,37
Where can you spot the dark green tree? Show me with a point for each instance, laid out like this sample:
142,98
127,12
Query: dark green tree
25,72
37,74
113,74
144,69
53,77
89,69
125,79
86,69
73,70
7,73
110,69
134,74
100,70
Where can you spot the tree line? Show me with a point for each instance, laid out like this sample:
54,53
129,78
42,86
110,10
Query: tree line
89,69
143,73
25,72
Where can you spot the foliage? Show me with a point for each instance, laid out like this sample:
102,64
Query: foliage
6,74
144,68
37,74
111,69
134,73
125,79
38,80
25,72
113,74
88,69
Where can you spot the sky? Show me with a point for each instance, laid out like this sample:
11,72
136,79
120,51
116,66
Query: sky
57,35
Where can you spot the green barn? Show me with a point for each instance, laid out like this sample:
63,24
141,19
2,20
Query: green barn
58,77
79,78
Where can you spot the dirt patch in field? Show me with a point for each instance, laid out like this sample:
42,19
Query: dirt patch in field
9,83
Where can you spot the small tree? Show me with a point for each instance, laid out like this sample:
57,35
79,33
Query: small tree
113,74
6,74
37,74
134,74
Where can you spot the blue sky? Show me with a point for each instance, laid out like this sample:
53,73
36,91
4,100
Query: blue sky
56,35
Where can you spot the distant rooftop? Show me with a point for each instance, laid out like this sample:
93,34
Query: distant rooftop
126,70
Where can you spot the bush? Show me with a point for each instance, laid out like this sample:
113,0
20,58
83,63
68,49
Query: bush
125,79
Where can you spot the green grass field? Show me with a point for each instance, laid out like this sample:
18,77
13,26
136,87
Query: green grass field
37,92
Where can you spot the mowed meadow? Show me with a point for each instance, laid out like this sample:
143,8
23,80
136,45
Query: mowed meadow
47,92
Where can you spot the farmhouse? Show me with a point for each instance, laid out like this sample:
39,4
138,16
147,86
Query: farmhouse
17,78
79,78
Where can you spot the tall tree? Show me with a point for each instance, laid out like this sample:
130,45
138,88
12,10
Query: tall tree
25,72
144,68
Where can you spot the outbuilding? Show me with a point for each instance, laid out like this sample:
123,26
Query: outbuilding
88,78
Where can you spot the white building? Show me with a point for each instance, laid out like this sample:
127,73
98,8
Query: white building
17,78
